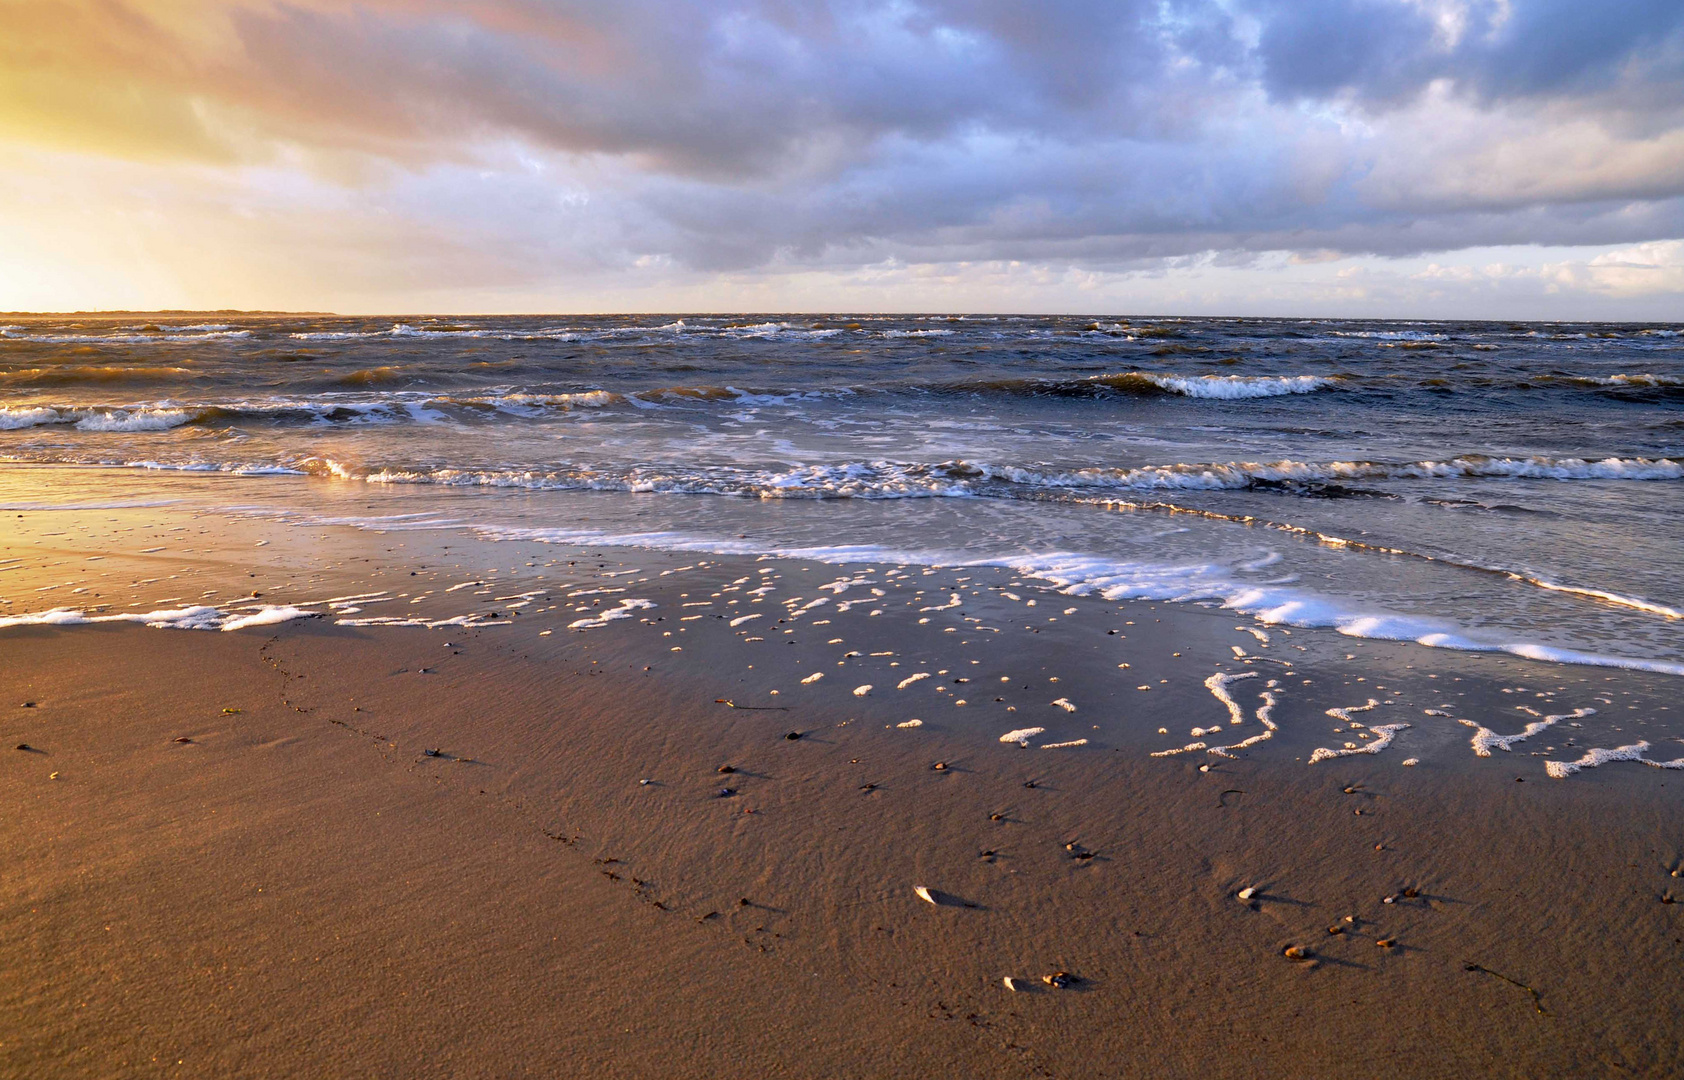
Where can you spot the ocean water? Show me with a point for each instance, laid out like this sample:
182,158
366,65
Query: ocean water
1466,485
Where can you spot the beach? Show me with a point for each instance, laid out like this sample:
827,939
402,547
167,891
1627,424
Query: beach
539,841
841,541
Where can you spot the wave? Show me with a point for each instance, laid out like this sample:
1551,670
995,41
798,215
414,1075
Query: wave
127,337
1639,381
677,329
1393,335
961,479
1145,384
404,330
134,418
1240,475
1236,387
419,406
1134,383
165,415
589,399
199,617
373,376
76,374
1077,574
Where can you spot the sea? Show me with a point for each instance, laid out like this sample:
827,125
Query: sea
1475,486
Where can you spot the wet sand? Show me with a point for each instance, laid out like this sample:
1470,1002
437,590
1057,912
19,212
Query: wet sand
379,853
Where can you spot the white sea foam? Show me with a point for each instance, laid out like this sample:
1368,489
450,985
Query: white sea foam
1561,770
269,615
466,621
1021,736
1385,734
910,679
128,418
1265,716
1343,715
590,399
1485,740
1643,379
197,617
1235,475
623,611
1237,387
1393,335
1218,684
15,417
137,419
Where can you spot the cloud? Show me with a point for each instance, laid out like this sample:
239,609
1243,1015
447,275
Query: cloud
537,139
1384,50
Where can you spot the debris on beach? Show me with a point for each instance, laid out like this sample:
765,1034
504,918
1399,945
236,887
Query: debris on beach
924,893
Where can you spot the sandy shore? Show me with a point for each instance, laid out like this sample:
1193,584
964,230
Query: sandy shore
393,850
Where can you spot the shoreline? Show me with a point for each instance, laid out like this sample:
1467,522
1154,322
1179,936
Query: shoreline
392,848
280,826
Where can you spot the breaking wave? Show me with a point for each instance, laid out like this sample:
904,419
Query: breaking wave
962,479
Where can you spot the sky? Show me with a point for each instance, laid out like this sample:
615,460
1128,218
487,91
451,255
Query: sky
1511,159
